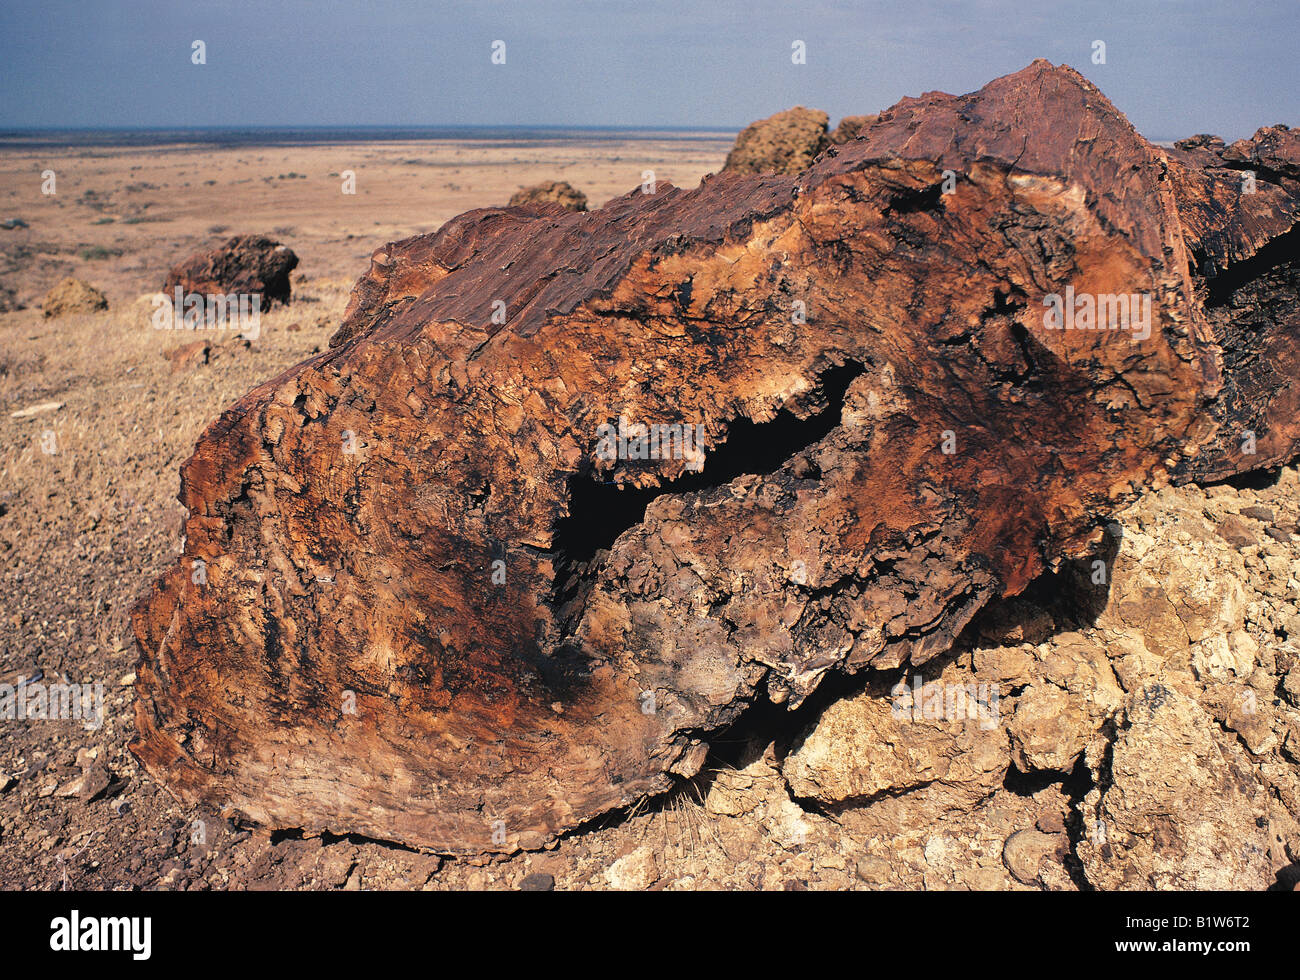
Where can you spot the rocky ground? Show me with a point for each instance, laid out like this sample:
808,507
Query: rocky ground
1132,723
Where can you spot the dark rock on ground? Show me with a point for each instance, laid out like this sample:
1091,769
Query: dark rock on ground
244,264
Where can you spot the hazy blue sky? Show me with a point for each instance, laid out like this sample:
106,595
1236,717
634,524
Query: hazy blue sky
1176,67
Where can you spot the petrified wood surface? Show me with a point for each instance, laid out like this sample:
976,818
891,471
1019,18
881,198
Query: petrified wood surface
1240,210
644,605
244,264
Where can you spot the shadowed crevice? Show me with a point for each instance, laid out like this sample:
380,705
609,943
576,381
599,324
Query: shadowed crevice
599,512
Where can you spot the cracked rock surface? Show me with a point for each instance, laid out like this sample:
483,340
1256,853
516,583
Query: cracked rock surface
416,603
244,264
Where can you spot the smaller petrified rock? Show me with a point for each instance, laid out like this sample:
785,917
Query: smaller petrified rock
1182,809
786,823
1049,729
92,781
250,264
1253,722
537,883
1171,598
1051,822
785,143
559,192
1026,850
866,746
1236,532
1025,853
1273,148
1224,657
1009,666
73,296
850,127
732,793
1259,513
1201,141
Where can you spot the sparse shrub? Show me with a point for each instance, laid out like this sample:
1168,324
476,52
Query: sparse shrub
94,253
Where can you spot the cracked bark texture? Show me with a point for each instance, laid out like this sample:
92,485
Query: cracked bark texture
1240,210
349,513
244,264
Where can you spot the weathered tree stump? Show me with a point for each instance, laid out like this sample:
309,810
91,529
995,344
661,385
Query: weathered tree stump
419,601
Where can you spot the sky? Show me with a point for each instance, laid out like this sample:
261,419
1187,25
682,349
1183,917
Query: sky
1175,67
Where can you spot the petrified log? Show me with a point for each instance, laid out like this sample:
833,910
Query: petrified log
250,264
435,590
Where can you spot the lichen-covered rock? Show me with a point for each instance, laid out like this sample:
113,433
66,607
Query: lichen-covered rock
73,296
785,143
247,264
559,192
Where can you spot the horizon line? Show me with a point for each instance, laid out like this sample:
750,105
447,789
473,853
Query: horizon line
7,130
